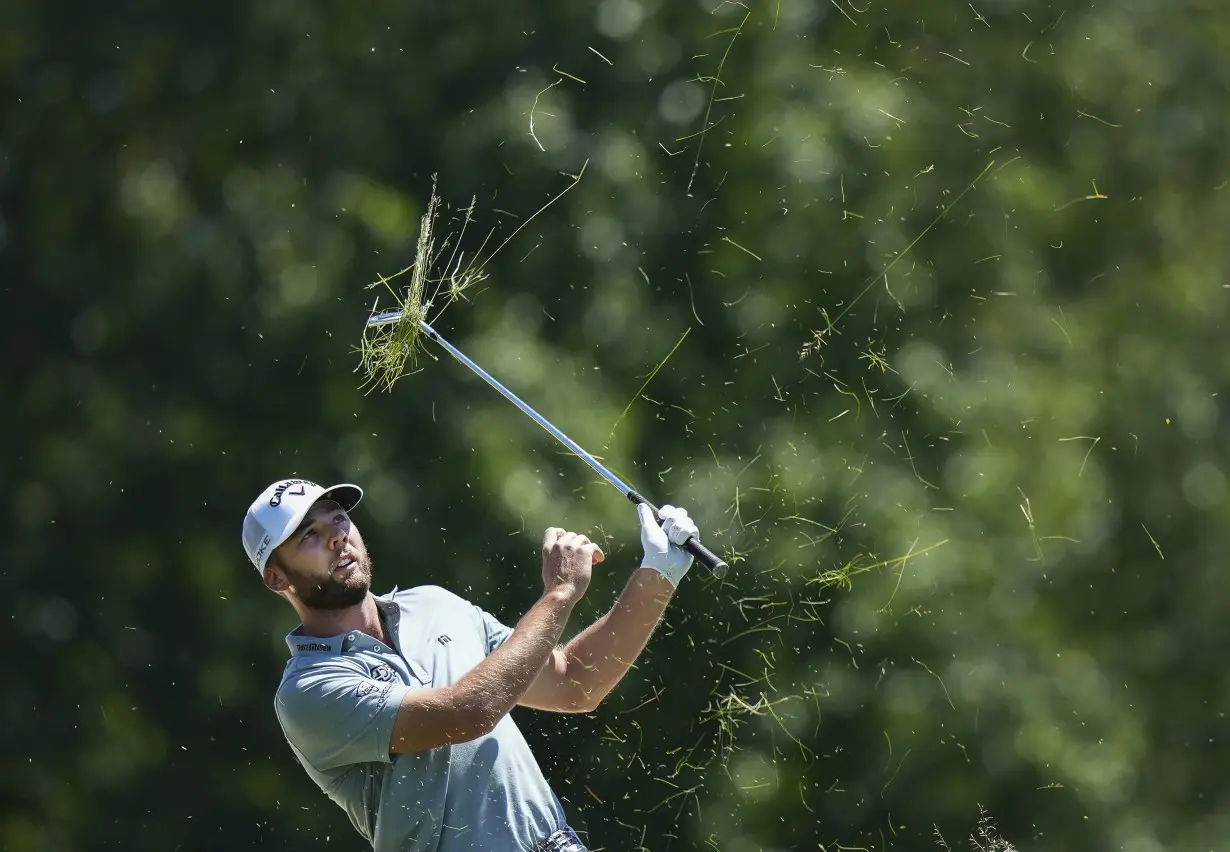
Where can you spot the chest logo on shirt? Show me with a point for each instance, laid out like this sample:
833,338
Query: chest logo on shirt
443,640
382,673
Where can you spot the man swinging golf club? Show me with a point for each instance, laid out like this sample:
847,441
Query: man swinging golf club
397,705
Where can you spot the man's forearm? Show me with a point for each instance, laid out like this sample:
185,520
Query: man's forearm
496,684
599,656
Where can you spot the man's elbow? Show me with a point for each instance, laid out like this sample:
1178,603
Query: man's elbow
453,720
584,700
475,718
458,728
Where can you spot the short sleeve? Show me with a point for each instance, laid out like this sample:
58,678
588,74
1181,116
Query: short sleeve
497,633
337,716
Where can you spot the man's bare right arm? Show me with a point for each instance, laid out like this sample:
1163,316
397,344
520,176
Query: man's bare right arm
474,705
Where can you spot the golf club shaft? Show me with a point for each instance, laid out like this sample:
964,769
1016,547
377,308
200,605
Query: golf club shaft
702,554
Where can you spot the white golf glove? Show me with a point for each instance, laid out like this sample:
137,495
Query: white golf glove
662,551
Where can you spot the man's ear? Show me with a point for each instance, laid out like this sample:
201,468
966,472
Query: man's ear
275,578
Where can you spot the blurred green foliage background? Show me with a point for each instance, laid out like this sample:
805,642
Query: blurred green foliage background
951,284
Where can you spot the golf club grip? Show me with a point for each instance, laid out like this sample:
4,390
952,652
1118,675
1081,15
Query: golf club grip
706,557
703,555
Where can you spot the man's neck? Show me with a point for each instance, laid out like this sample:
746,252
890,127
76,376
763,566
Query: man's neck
363,617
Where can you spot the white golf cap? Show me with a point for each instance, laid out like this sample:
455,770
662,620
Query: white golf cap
277,513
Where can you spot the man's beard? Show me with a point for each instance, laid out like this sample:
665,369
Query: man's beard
331,594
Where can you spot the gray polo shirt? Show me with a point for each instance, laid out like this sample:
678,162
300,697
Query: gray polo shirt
337,702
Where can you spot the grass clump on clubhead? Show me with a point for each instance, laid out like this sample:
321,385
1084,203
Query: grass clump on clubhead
391,339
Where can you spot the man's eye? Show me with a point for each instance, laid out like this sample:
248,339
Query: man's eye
309,533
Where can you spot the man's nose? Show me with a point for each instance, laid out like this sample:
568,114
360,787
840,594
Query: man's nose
339,537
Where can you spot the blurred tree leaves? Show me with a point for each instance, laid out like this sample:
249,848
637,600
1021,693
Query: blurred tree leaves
950,400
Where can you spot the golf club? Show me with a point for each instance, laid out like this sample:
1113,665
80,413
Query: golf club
702,554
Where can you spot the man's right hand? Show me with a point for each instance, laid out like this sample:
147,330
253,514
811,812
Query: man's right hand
567,562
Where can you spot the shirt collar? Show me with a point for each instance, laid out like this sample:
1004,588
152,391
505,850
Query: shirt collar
300,644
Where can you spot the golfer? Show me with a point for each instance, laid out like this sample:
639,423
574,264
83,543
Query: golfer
397,705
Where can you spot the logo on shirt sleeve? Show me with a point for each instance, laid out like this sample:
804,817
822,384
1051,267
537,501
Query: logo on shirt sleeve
382,673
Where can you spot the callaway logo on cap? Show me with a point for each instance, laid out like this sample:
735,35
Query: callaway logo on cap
279,510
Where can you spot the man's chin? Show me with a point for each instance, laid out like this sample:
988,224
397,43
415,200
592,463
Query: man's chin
337,596
337,602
